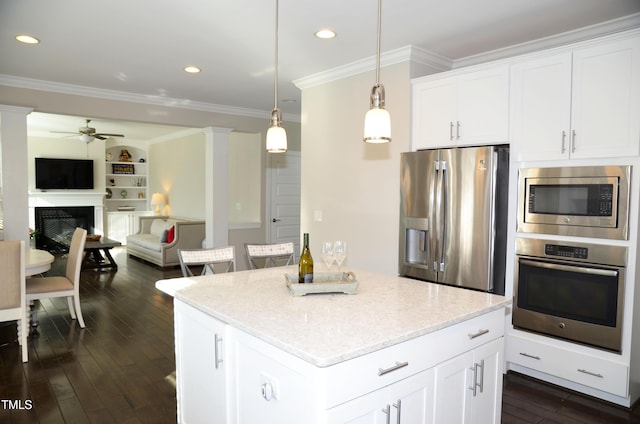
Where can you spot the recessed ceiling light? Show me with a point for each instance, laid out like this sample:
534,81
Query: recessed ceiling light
27,39
191,69
325,34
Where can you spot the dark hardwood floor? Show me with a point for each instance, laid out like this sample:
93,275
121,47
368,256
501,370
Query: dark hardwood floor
114,370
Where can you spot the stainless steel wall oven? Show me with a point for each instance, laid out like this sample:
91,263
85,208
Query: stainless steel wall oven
573,291
585,201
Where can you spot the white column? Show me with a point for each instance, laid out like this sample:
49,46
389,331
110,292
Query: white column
216,174
15,179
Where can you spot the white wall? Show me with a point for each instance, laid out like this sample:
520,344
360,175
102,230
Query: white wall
354,185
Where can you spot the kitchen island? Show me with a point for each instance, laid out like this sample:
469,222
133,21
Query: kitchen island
248,351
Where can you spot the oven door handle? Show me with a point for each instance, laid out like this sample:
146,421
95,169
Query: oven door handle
570,268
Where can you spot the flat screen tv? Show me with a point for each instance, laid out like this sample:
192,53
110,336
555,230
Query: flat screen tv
66,174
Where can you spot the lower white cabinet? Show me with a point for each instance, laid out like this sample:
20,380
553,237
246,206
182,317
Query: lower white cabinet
201,368
468,388
122,224
407,401
452,375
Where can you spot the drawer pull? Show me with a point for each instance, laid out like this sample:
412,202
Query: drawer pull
478,334
397,366
530,356
591,373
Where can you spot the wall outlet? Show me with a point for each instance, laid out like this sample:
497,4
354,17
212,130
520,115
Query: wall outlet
317,215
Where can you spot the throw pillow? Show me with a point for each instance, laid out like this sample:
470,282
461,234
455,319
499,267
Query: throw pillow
171,234
164,237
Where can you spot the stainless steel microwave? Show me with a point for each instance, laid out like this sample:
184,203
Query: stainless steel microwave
583,201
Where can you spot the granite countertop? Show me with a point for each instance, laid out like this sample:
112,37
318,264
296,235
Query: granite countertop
326,329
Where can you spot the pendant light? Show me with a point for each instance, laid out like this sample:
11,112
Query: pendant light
276,135
377,121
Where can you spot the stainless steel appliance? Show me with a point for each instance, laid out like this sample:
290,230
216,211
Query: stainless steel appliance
570,290
586,201
453,215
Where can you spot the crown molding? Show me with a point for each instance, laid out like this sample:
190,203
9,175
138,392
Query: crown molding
121,96
602,29
441,63
392,57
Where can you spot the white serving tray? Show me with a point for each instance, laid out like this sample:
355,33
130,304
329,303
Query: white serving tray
344,282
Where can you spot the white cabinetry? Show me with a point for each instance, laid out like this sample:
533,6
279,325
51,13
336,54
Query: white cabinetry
575,364
126,180
407,401
472,380
468,107
122,224
583,103
201,367
395,384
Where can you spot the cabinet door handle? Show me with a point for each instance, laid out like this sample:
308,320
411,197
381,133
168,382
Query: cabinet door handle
481,366
590,373
478,334
218,360
564,138
450,130
573,141
398,406
474,379
397,366
387,412
457,130
475,384
530,356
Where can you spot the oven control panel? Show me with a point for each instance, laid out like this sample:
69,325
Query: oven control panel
566,251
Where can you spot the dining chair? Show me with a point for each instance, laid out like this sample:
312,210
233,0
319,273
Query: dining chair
207,259
12,284
274,254
67,285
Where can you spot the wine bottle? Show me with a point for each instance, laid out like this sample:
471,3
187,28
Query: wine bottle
305,265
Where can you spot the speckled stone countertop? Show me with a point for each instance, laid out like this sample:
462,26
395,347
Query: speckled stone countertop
326,329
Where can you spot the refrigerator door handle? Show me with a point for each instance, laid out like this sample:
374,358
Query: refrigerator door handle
433,215
438,263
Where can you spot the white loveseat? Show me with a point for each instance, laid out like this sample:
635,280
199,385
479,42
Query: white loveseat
153,242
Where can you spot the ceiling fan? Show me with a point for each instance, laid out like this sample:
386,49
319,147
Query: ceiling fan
88,134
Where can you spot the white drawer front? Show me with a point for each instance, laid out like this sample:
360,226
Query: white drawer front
358,376
580,368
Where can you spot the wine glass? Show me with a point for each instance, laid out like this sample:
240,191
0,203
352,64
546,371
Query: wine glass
340,252
327,253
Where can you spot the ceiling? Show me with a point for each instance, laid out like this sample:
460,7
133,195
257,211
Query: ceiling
142,46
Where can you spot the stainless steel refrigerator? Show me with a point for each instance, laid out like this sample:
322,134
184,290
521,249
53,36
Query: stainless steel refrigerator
453,216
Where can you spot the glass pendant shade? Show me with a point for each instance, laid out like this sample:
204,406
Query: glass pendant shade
276,135
377,126
377,121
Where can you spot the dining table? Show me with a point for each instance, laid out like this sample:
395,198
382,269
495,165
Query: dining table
37,261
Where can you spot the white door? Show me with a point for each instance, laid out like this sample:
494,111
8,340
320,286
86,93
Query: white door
283,173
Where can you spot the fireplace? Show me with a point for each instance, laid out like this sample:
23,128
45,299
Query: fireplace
56,225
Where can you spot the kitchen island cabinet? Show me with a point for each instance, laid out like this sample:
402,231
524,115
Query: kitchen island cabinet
336,358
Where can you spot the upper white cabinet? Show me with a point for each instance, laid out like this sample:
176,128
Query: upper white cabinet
583,103
461,108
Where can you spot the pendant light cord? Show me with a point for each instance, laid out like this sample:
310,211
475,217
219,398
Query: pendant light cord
275,74
378,44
